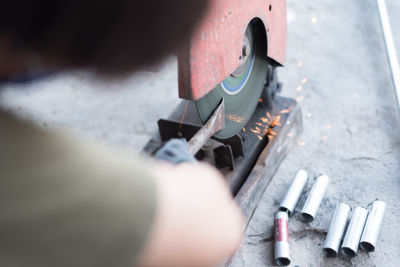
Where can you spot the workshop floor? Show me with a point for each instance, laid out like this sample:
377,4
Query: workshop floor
336,68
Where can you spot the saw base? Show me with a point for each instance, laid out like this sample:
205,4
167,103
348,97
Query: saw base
249,159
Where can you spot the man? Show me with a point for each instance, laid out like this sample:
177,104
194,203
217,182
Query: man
68,202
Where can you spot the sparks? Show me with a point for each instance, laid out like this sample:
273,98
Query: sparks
299,88
300,64
276,121
184,114
329,126
235,118
254,131
266,126
304,80
300,98
309,115
314,20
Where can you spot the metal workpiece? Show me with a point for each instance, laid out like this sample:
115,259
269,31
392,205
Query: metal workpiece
282,247
214,124
294,192
372,226
314,199
354,231
336,230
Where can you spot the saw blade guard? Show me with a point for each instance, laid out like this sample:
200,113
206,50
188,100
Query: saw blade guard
242,89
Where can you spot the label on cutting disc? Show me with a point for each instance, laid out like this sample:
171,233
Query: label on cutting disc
281,230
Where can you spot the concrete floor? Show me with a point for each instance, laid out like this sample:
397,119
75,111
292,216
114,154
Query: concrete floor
351,124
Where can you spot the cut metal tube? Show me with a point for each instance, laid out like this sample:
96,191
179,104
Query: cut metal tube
373,226
336,230
314,199
293,194
282,247
390,48
213,125
354,231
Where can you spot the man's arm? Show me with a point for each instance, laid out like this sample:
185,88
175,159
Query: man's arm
196,223
64,202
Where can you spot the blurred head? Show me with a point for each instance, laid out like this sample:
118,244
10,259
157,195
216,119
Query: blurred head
108,36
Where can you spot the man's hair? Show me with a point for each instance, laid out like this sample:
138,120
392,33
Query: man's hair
108,36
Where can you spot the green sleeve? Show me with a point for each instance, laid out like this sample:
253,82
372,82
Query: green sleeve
65,202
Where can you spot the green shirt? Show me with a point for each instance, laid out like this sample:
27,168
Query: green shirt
65,202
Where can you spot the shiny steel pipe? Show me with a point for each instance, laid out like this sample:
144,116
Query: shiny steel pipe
294,192
372,226
336,230
282,247
314,198
354,231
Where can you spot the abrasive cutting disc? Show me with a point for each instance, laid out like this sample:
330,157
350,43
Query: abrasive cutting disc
241,90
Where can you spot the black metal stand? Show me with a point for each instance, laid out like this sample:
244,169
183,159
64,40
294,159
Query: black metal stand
249,159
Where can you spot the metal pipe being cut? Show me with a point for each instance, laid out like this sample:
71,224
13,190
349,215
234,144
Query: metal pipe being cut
293,194
315,198
354,231
214,124
373,226
336,230
282,247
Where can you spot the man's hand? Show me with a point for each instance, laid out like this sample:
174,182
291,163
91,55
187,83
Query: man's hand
196,223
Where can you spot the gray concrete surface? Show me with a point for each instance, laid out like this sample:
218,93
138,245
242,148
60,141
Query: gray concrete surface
351,125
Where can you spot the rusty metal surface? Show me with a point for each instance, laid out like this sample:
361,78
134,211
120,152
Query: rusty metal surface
214,49
213,125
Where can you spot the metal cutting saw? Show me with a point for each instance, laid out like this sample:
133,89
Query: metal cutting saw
230,113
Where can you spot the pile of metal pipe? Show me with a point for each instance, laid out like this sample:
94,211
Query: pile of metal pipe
287,207
314,199
344,235
361,232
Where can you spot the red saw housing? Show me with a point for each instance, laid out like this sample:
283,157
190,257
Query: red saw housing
214,50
